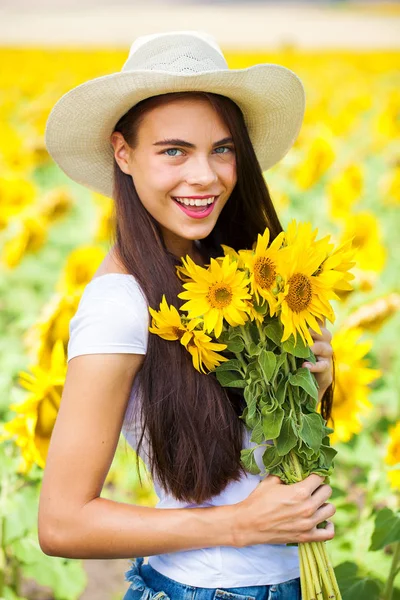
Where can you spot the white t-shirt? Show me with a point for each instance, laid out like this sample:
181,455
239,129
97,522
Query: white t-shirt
112,316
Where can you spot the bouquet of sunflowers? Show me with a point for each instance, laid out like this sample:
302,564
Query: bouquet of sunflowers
259,305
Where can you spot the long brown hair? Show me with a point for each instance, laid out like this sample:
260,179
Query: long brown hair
190,421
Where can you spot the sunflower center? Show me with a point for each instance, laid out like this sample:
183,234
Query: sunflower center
178,332
300,292
219,295
264,272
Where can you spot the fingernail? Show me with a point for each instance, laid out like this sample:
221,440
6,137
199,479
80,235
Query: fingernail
308,365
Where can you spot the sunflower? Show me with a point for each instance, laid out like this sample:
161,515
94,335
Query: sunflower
34,424
52,325
392,457
22,430
29,236
372,315
340,261
168,324
320,154
352,378
55,204
204,351
304,292
79,268
344,190
217,293
363,229
263,265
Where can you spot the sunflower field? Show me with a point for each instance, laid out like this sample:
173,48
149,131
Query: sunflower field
342,175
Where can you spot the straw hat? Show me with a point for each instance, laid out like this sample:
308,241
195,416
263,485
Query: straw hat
79,126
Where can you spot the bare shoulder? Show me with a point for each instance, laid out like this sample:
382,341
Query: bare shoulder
111,264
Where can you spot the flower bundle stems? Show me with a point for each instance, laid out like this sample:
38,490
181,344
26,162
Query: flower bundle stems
260,305
315,567
276,389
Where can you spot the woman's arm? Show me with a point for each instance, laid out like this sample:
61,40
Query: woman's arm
75,522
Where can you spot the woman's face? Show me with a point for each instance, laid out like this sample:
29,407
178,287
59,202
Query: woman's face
183,168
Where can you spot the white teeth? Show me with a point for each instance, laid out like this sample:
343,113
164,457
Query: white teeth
195,202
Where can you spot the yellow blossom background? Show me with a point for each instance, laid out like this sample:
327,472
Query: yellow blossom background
343,175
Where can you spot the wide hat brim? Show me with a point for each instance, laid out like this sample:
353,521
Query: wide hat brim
80,124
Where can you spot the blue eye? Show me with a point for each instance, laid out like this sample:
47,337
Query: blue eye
223,148
172,150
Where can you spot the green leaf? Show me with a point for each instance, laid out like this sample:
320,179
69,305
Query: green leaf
367,589
280,392
311,430
298,348
271,458
251,418
303,378
248,461
287,438
346,574
230,365
327,455
253,349
235,345
224,337
257,435
280,359
272,422
252,410
387,529
274,331
229,379
267,361
261,308
307,452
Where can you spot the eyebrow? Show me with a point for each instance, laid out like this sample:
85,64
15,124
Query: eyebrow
184,144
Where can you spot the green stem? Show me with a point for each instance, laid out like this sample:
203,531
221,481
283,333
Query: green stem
246,336
388,593
324,553
307,588
240,358
322,570
313,569
292,361
261,333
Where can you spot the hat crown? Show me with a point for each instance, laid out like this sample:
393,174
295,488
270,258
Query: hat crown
176,52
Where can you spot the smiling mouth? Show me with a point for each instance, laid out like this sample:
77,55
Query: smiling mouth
196,202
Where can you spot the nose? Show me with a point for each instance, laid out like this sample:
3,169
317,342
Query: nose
201,172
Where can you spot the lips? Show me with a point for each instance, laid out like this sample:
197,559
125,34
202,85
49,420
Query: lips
197,208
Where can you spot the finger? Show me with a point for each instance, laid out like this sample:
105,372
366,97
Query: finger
321,535
310,483
323,349
272,479
321,366
325,334
326,511
321,495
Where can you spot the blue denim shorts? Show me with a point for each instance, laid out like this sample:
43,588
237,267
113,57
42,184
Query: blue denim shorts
148,584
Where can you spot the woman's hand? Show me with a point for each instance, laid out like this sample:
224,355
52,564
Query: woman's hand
323,369
275,513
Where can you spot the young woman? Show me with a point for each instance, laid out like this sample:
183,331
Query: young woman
179,141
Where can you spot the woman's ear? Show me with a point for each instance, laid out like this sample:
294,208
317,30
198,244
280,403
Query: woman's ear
121,151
